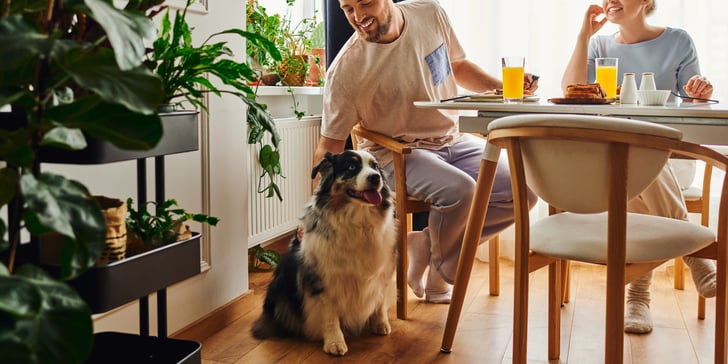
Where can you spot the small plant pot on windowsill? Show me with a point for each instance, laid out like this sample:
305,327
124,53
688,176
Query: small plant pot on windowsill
270,79
316,67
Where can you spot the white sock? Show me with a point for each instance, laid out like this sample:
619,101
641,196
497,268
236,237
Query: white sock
418,253
638,319
437,290
637,316
704,276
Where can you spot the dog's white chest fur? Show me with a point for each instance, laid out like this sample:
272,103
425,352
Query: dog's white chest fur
356,264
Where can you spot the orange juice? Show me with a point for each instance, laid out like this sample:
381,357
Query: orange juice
512,83
607,77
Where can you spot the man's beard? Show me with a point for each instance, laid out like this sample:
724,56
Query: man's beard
381,30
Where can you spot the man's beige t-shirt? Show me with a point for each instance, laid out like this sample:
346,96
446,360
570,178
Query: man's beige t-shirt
376,84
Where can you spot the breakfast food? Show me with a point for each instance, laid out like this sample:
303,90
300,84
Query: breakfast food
585,91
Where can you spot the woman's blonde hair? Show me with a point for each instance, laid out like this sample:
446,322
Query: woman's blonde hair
650,8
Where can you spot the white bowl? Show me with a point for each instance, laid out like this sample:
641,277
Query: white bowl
653,97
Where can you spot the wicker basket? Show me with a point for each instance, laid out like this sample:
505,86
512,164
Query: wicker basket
114,211
293,73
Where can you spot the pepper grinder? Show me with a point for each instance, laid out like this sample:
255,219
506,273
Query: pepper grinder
628,94
648,81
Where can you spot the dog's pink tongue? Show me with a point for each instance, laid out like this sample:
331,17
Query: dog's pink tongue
372,196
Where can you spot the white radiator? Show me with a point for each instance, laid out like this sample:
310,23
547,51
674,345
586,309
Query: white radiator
270,218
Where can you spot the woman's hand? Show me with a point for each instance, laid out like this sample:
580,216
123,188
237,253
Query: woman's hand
698,86
591,25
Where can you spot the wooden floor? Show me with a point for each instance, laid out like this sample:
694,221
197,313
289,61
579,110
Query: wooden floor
484,333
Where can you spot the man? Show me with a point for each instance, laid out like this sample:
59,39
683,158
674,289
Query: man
398,54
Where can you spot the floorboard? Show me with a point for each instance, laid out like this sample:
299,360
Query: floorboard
485,333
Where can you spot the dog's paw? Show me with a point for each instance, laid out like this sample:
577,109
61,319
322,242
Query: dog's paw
382,328
337,348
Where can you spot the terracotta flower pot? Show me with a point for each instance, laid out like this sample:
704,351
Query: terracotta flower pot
317,67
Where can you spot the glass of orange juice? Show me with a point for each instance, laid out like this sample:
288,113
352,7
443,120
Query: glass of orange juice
513,79
606,69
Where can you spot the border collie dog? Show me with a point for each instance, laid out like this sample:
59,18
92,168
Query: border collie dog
336,280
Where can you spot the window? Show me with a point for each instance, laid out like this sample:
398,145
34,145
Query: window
545,32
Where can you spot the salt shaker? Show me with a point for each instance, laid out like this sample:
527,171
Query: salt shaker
628,94
648,81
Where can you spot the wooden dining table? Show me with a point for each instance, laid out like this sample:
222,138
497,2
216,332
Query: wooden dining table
701,123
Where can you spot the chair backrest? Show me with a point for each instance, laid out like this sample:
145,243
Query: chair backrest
568,159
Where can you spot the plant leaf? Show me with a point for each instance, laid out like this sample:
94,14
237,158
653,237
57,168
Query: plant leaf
259,41
112,122
22,45
258,117
51,323
65,206
63,137
126,31
270,257
8,185
136,88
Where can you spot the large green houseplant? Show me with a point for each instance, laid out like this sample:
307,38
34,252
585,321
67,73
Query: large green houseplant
70,69
184,69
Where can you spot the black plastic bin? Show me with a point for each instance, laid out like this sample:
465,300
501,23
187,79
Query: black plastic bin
123,281
180,135
121,348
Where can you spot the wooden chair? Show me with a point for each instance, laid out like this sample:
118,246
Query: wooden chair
697,200
589,166
407,205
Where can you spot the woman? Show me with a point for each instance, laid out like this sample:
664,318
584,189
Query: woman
670,54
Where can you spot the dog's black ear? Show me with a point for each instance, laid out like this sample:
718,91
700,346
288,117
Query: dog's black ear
324,166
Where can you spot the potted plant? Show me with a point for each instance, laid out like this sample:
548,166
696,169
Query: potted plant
165,226
261,259
258,21
293,40
317,57
69,69
183,68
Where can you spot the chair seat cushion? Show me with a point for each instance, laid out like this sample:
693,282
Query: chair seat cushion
692,194
583,237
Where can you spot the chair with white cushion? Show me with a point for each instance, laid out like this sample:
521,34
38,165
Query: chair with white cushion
589,167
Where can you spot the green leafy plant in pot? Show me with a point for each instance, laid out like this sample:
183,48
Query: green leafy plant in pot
165,226
70,68
293,40
261,259
184,68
